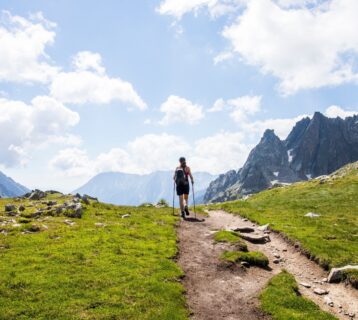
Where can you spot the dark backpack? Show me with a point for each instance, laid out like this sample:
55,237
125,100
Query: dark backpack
180,177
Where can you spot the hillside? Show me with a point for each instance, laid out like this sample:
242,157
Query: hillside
314,147
331,238
66,258
9,188
134,189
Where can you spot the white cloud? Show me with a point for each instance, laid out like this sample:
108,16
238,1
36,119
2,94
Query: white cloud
24,127
335,111
220,152
223,56
304,47
216,8
240,107
177,109
23,42
88,83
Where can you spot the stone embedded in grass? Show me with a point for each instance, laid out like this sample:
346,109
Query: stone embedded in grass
254,258
244,229
74,210
320,291
10,207
33,228
21,208
230,237
256,238
312,215
337,274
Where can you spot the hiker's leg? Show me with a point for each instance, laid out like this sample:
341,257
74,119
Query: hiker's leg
186,197
181,201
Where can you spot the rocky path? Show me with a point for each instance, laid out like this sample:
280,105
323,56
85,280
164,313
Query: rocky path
215,291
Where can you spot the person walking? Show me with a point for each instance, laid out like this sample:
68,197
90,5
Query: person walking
181,177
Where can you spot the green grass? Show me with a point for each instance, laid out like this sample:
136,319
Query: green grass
123,270
254,258
332,238
230,237
351,276
281,300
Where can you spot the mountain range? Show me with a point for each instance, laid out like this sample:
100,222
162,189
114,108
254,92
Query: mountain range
314,147
134,189
9,188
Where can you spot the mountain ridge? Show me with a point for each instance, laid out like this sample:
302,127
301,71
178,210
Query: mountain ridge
9,188
315,146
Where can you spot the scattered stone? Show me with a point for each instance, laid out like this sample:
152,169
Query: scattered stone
306,285
21,208
11,213
244,229
255,238
284,250
10,207
328,301
85,199
16,225
37,195
74,210
33,228
126,216
264,227
99,224
69,222
51,203
336,274
324,280
296,245
245,220
320,291
276,255
351,315
245,264
276,261
312,215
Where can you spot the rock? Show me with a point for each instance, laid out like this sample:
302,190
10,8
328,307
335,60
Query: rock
276,255
276,261
255,238
245,264
312,215
11,213
99,224
126,216
10,207
328,301
244,229
51,203
34,228
69,222
37,195
351,315
264,227
21,208
320,291
336,273
85,199
306,285
324,280
74,210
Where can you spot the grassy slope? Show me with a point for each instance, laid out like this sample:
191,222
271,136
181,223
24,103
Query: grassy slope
331,238
121,271
282,301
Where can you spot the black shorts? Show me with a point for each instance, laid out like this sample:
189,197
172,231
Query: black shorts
183,189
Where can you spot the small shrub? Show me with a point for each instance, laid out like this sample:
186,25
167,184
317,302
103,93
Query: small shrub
163,203
254,258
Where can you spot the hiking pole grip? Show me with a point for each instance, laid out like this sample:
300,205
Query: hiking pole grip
192,184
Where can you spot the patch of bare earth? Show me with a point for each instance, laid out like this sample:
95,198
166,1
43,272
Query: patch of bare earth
217,291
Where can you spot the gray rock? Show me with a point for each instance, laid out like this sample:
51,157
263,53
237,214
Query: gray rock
336,273
256,238
10,207
21,208
276,261
37,195
328,301
244,229
312,215
264,227
306,285
245,264
320,291
74,210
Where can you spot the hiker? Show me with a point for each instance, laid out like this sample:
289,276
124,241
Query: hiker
181,178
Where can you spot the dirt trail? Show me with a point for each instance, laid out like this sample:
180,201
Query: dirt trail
217,292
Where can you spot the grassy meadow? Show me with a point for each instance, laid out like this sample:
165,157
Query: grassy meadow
101,267
331,238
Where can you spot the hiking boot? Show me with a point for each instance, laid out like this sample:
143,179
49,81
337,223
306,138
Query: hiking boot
186,210
182,214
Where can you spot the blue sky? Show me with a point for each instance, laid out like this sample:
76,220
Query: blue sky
89,86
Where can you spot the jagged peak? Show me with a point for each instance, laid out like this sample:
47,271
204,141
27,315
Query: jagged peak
270,134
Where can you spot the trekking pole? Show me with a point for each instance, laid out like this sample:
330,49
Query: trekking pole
192,184
173,196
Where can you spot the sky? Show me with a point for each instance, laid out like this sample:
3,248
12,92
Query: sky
95,86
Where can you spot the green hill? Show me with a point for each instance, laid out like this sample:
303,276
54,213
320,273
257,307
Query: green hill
332,237
112,263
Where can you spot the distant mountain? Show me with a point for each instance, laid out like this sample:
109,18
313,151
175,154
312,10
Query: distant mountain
315,147
134,189
9,188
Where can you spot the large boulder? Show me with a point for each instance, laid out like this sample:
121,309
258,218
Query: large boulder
74,210
37,195
10,207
